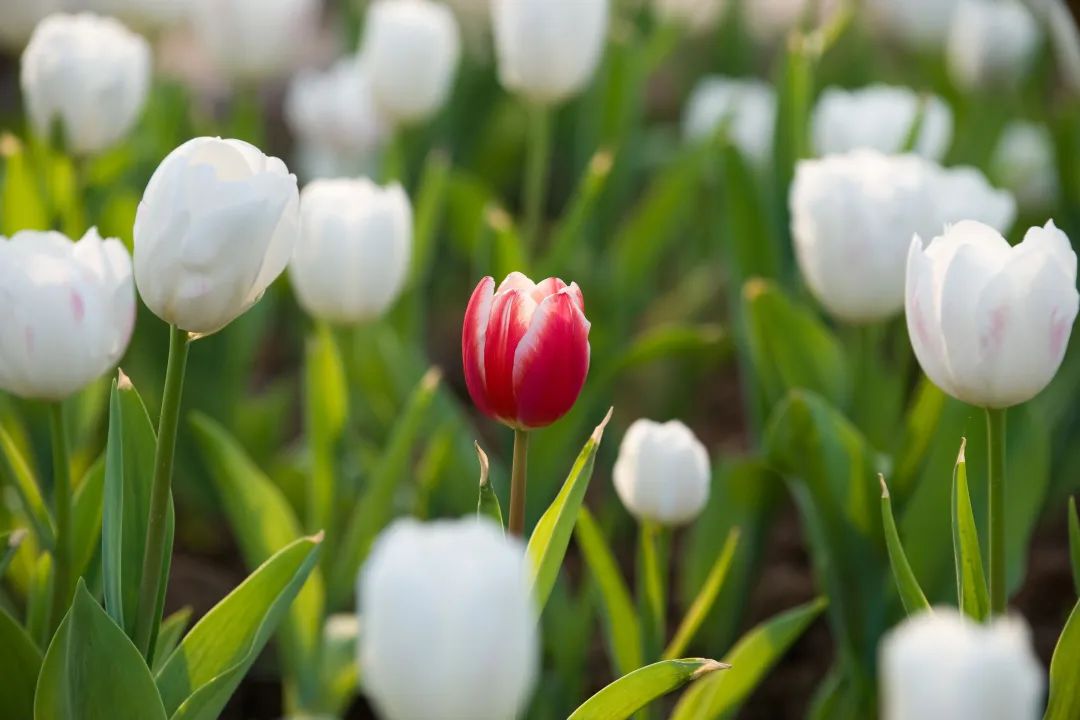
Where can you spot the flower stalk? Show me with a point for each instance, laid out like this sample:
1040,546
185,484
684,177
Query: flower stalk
518,482
62,497
536,172
995,441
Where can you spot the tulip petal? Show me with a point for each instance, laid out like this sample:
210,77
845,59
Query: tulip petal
511,315
551,361
546,288
516,281
921,310
473,336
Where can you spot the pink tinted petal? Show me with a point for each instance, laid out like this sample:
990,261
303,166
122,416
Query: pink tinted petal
516,281
511,314
575,293
551,362
473,338
547,287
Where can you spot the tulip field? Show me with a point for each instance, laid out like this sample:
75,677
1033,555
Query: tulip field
539,360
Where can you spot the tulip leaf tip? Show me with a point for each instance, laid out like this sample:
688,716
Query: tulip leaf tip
16,537
884,487
598,433
485,465
960,456
709,666
431,379
123,382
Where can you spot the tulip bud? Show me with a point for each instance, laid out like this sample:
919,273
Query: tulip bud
525,348
216,225
1025,163
991,42
989,322
942,666
922,24
662,472
853,216
697,15
880,117
352,258
411,48
87,73
749,107
449,623
67,309
548,50
254,39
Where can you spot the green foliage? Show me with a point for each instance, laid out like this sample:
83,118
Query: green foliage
627,695
1064,681
972,594
20,663
699,609
910,593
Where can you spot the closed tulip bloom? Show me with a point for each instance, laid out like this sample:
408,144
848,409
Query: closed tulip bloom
449,623
67,309
548,50
1025,162
252,40
525,348
989,322
991,42
411,49
88,74
749,108
697,15
352,258
662,472
853,217
216,225
881,117
941,665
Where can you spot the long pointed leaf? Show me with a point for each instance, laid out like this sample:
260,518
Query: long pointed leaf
14,466
1064,680
20,662
630,693
703,603
488,504
1074,543
971,592
906,583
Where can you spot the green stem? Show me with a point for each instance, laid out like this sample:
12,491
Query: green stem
995,440
536,173
160,492
518,481
62,495
652,587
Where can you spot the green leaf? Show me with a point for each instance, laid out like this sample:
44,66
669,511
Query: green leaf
1064,680
264,523
630,693
551,536
906,583
18,474
668,341
92,670
20,663
340,674
790,347
22,201
703,603
199,677
172,630
112,544
430,201
39,600
621,625
9,545
1074,543
751,659
488,504
86,517
375,506
567,235
326,403
971,592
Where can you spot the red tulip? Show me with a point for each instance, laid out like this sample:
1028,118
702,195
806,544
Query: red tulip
525,348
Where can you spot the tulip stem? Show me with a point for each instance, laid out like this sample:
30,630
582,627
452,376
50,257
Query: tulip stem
652,587
62,554
536,173
518,480
995,440
148,615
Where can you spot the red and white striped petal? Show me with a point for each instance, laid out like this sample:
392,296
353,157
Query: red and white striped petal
516,281
551,361
473,340
511,314
547,288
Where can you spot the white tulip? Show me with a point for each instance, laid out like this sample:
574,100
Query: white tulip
254,39
881,117
67,309
18,18
548,50
352,259
411,49
336,110
697,15
853,217
989,322
1025,162
942,666
88,73
922,24
449,622
991,41
662,472
749,108
769,20
216,225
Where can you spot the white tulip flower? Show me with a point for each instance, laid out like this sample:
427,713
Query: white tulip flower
216,225
1025,162
89,74
881,117
991,41
449,622
252,40
548,50
989,322
67,309
352,259
662,473
921,24
853,217
941,665
749,108
411,50
697,15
